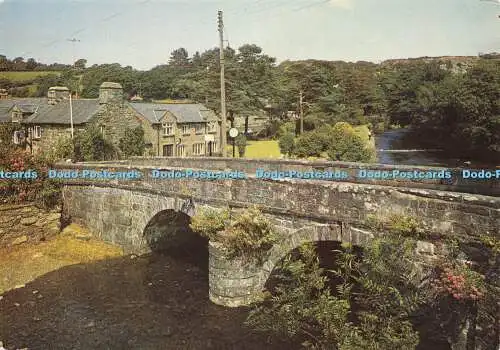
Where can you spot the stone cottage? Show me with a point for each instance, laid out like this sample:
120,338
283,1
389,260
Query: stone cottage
169,129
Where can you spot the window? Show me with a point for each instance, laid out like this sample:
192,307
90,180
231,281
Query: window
18,137
181,151
168,129
198,148
168,150
186,129
102,130
37,132
211,127
214,146
200,128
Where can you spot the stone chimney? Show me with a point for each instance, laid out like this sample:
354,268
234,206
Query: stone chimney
4,94
57,94
111,93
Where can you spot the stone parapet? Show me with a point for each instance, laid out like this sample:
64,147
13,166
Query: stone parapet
490,187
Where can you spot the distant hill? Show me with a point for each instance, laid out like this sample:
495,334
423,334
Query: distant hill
453,59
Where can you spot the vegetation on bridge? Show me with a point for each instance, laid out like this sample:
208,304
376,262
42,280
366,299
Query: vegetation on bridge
387,297
248,236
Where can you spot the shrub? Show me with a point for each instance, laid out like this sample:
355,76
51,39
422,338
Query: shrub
208,222
241,143
132,142
62,149
287,144
349,148
371,307
90,145
248,236
309,145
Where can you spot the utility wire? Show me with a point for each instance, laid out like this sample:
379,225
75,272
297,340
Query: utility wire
103,20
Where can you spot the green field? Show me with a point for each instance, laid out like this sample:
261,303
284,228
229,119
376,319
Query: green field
23,76
269,149
258,149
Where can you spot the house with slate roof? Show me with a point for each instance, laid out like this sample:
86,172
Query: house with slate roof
182,129
169,129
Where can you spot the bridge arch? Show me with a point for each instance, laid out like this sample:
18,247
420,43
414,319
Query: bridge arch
236,283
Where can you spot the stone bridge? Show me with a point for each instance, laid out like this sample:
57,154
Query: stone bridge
130,212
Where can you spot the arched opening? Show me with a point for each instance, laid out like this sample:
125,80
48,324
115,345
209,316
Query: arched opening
168,233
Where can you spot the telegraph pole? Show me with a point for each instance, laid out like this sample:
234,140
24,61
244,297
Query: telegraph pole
301,111
223,130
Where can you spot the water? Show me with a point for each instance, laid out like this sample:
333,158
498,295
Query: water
409,153
151,302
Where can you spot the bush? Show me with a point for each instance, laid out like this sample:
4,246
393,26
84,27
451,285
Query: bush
132,143
349,148
309,144
286,128
287,144
62,149
371,307
248,236
208,222
241,143
90,145
40,190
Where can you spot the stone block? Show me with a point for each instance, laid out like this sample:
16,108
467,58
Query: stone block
20,240
29,221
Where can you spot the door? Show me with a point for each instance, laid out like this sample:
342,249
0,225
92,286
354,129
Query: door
168,150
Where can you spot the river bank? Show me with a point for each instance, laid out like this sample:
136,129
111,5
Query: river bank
75,292
25,262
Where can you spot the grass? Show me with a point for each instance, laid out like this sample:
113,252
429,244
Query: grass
24,263
23,76
266,149
269,149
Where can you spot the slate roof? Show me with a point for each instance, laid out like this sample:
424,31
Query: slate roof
184,112
83,111
5,106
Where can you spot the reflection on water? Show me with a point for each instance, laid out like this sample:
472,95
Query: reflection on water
150,302
395,140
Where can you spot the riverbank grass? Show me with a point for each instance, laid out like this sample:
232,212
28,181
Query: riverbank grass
75,245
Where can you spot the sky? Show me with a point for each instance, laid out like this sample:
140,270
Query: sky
143,33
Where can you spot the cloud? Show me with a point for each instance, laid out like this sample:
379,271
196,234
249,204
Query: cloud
345,4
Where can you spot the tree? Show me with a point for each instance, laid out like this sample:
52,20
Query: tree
31,64
132,143
80,64
179,58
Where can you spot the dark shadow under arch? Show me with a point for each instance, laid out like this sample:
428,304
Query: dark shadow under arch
168,233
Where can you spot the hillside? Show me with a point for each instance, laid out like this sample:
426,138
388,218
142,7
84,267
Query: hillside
24,76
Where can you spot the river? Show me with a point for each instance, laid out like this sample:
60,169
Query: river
394,148
155,301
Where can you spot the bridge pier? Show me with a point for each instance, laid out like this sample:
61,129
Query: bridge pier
232,282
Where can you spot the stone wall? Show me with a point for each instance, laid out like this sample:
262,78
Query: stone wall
486,187
27,223
51,134
115,119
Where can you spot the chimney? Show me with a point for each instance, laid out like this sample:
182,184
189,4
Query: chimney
57,94
111,93
4,94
